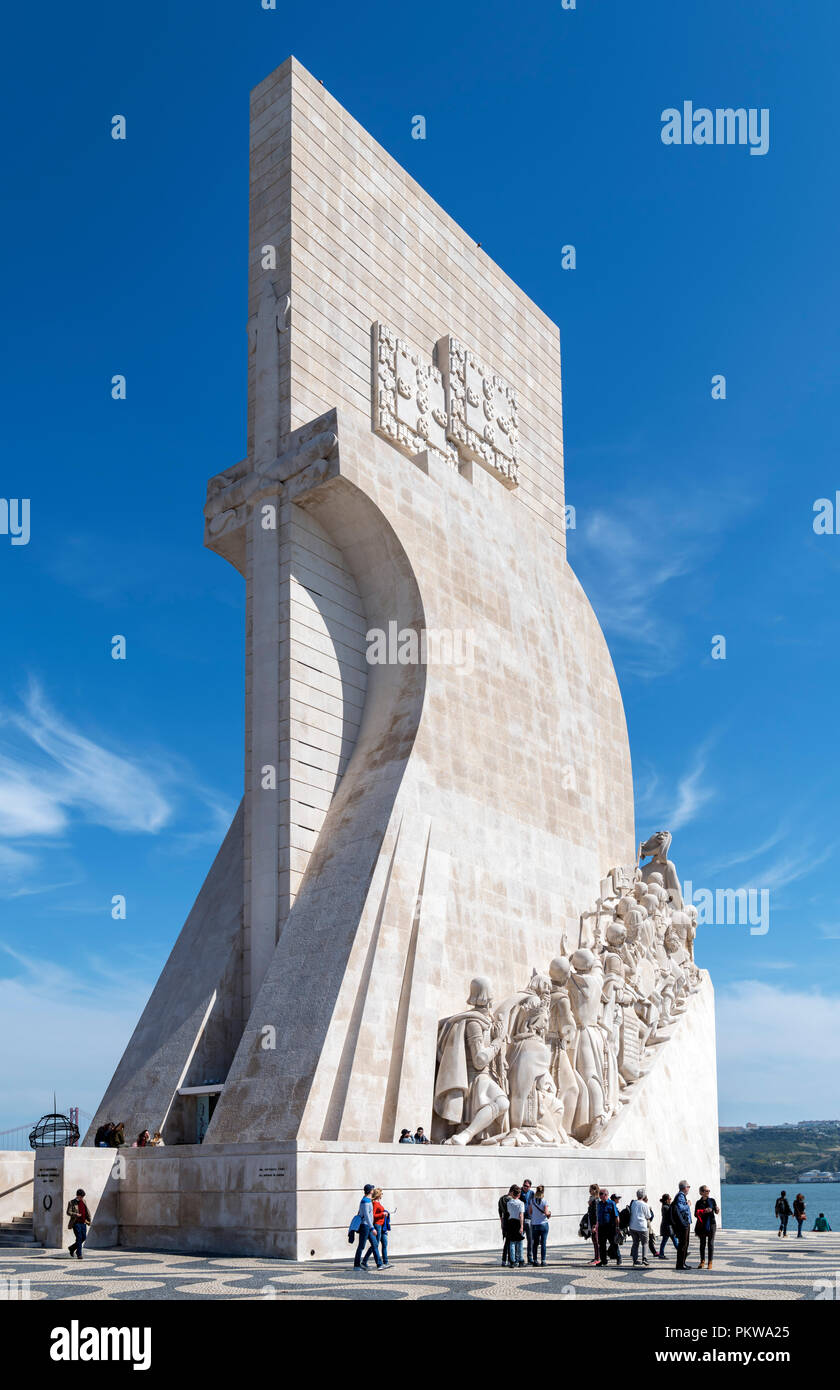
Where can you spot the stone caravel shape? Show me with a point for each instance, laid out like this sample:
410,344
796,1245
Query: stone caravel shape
402,824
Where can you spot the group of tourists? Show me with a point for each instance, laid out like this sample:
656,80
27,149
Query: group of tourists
111,1136
784,1212
418,1137
524,1216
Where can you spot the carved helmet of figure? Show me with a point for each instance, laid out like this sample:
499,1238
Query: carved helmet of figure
616,934
560,970
481,994
583,961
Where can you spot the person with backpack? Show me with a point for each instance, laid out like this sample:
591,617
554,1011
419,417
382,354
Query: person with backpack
608,1229
705,1213
80,1218
638,1216
515,1227
539,1224
666,1230
362,1224
381,1227
783,1212
799,1213
681,1223
503,1214
650,1233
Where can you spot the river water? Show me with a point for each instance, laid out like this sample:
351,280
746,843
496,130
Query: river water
749,1207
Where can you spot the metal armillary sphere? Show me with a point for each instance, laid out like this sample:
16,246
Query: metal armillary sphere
54,1132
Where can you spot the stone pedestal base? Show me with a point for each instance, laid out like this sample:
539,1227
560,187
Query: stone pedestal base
296,1201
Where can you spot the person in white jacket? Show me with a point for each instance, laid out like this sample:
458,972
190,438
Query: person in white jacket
640,1215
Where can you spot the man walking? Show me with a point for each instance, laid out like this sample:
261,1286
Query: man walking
640,1214
606,1214
367,1235
79,1220
783,1211
526,1198
503,1216
681,1224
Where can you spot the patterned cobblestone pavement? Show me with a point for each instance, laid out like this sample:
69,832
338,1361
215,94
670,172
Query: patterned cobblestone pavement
750,1265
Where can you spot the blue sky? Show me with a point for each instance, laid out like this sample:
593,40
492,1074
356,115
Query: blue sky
693,515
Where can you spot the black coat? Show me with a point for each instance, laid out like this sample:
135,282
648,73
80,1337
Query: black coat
701,1207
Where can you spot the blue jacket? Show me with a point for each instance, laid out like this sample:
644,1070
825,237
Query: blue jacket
606,1213
366,1211
682,1210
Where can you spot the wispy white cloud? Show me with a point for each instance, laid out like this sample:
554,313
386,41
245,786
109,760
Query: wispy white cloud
793,867
778,872
781,832
674,807
75,1023
631,556
71,773
53,776
692,794
624,576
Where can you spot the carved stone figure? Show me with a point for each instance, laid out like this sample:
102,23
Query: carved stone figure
659,863
562,1031
466,1093
585,988
528,1053
551,1063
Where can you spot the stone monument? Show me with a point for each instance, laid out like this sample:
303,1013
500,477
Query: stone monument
437,774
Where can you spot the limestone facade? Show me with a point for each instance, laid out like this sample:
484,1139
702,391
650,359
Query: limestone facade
406,824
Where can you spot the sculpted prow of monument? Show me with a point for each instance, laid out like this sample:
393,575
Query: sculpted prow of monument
406,826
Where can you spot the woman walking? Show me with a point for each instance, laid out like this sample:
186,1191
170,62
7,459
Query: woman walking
705,1225
666,1230
799,1213
381,1226
539,1223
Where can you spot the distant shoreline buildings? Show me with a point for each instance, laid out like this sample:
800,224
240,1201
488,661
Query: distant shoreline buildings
765,1153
